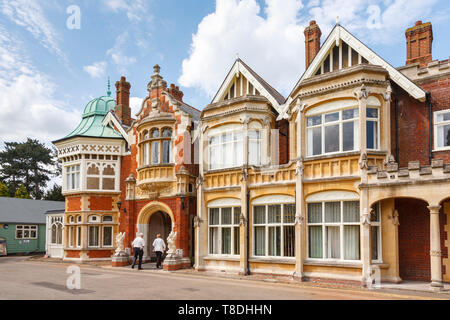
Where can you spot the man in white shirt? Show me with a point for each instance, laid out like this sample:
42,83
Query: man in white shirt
158,247
138,245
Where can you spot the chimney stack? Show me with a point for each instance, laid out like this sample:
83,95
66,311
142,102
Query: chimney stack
312,41
419,40
122,108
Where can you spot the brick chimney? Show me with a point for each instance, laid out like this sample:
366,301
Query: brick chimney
312,41
418,43
175,92
122,108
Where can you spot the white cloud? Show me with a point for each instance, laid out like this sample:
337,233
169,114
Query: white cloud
118,55
28,14
29,108
135,104
136,10
97,69
273,47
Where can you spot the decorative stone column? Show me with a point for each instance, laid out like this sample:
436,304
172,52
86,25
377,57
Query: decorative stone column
435,249
245,214
299,218
366,245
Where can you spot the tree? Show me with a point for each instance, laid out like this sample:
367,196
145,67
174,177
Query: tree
29,163
4,191
22,193
54,194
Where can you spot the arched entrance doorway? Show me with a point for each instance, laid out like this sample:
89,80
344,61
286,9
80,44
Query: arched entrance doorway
156,217
161,223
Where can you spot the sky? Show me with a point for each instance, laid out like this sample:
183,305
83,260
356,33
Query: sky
56,55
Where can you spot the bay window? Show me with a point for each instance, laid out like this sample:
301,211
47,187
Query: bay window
254,147
332,132
274,230
442,130
156,146
224,230
334,230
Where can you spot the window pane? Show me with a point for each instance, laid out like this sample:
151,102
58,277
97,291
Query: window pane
215,157
54,234
260,241
213,216
374,240
107,236
350,114
213,240
332,138
166,151
332,117
314,121
238,150
333,242
372,135
226,215
93,236
155,133
226,240
254,148
167,133
155,152
443,138
315,242
237,215
375,213
314,212
372,112
332,212
314,141
348,136
351,211
259,213
351,242
289,241
289,213
274,241
274,214
236,248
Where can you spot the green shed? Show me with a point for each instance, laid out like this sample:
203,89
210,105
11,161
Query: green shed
22,224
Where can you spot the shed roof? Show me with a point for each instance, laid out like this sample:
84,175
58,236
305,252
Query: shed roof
14,210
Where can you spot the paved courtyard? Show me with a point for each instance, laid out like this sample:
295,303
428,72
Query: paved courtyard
25,278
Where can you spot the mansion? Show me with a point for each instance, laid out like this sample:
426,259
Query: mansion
344,180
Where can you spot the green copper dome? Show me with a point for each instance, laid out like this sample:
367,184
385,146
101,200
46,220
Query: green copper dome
91,123
99,106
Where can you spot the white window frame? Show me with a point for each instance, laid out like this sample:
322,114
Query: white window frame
220,226
379,226
70,172
103,237
101,166
78,237
221,144
324,224
437,124
378,126
98,239
30,228
266,226
56,225
340,122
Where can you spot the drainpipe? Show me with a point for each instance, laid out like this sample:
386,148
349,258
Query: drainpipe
430,126
397,152
248,232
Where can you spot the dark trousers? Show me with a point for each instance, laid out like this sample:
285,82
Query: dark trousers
138,253
158,258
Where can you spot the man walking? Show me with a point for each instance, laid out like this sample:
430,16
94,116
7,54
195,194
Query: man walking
138,247
158,247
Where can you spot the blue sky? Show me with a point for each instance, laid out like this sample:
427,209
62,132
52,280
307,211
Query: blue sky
48,72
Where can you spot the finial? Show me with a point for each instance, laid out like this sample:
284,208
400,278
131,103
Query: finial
237,55
337,19
109,88
156,69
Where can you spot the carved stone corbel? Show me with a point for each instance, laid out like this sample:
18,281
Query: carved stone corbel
394,218
362,92
364,162
197,222
244,174
299,168
199,181
242,220
298,220
387,95
245,119
365,218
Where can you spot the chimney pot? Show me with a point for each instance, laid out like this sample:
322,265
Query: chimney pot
312,22
418,23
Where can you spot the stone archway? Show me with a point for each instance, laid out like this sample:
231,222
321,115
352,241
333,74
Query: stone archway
161,216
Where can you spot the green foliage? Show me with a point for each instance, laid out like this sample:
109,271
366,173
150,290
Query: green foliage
54,194
4,191
22,193
29,163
